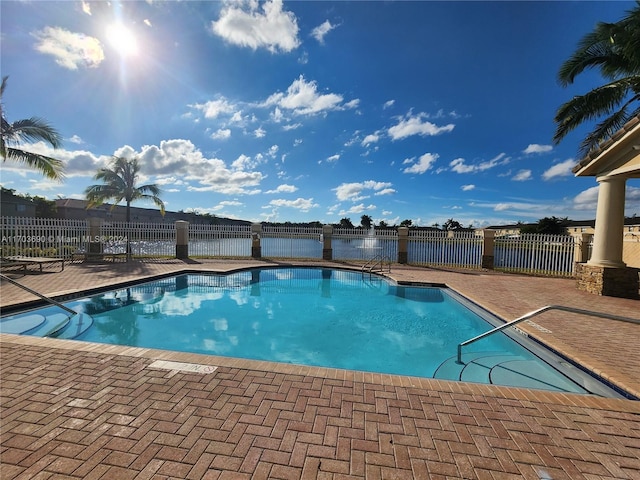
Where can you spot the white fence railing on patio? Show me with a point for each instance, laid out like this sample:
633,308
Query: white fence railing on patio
533,254
441,248
291,242
220,240
145,239
36,237
360,244
536,254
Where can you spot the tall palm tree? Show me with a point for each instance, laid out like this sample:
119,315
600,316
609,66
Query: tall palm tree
613,48
120,184
30,129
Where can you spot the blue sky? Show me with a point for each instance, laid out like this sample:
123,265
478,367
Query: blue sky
304,111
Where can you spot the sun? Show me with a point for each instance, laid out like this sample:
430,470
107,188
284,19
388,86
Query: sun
122,40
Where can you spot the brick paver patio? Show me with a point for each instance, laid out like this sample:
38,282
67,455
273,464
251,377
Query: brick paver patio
79,410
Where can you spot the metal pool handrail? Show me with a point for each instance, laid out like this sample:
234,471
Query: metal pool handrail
45,298
533,313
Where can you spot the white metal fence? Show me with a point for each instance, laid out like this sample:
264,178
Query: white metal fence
291,242
220,240
359,244
35,237
535,254
441,248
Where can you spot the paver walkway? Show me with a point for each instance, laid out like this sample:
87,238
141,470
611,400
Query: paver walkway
79,410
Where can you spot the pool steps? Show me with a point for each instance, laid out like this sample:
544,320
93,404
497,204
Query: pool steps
500,369
59,325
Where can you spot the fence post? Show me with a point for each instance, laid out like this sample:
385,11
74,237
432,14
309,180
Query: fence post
94,249
403,243
256,249
327,249
182,239
582,242
488,244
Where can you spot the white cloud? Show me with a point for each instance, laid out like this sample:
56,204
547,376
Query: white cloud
333,158
302,204
353,191
388,104
321,30
303,98
181,158
76,139
241,23
369,139
70,50
562,169
215,108
587,199
357,209
414,125
536,148
259,132
522,176
221,134
425,162
467,188
284,188
459,165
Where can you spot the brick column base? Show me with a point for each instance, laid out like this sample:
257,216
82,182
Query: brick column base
327,253
487,262
607,281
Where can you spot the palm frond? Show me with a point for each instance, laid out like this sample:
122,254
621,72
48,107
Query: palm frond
599,101
50,167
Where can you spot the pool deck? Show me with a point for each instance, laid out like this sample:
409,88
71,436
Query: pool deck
79,410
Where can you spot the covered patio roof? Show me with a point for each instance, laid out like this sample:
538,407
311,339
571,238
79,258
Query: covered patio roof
620,155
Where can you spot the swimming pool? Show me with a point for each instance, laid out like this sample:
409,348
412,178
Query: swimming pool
311,316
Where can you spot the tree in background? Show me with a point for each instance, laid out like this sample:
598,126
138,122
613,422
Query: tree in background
119,183
614,48
452,224
345,223
31,129
547,225
406,223
366,222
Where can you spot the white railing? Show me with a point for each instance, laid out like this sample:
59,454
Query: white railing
442,248
37,237
535,254
220,240
144,239
360,244
291,242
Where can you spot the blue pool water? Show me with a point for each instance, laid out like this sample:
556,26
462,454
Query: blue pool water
309,316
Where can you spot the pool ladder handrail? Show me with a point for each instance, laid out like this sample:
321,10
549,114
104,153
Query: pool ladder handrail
533,313
43,297
375,261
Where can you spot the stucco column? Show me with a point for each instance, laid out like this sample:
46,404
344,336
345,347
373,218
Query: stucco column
403,245
488,247
182,239
327,249
607,241
256,247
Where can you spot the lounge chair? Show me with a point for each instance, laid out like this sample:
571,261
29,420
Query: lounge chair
8,263
40,261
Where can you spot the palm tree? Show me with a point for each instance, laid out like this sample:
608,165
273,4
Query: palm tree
30,129
120,184
614,48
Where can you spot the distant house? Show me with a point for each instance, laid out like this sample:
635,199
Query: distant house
14,206
71,208
631,226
